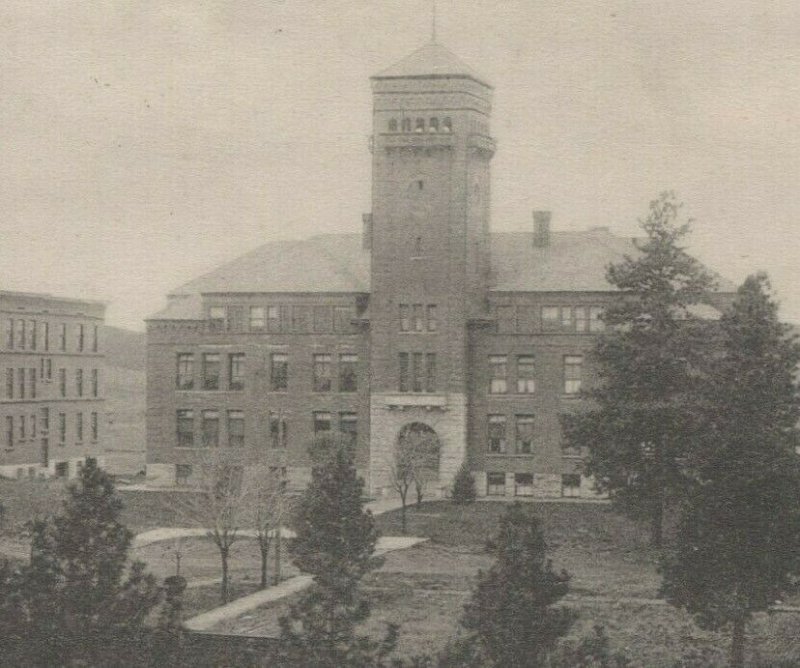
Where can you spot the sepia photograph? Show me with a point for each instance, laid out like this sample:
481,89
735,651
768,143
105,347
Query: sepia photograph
381,334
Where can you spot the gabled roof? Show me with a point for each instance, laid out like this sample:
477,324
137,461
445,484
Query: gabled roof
432,60
336,263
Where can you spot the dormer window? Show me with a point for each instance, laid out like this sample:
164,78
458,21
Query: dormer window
406,125
393,125
420,125
433,125
447,124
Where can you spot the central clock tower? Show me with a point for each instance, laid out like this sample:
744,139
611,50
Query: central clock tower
431,152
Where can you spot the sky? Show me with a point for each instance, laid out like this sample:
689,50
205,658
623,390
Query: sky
144,143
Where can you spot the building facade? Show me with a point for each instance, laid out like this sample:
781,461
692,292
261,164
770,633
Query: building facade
427,321
51,403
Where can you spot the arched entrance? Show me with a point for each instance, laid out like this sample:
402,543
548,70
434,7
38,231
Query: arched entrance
418,447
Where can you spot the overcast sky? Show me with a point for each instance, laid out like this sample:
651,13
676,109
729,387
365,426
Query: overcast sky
145,142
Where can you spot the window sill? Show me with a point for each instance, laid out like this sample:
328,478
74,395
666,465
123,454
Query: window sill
509,454
569,397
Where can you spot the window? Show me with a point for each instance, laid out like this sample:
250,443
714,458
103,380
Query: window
44,419
278,430
433,322
406,125
322,373
79,333
342,319
596,323
32,334
32,382
62,469
524,440
523,484
217,316
322,423
94,428
506,322
581,323
211,371
566,318
94,339
526,369
95,382
210,425
301,319
62,336
20,334
497,433
182,473
573,372
45,336
21,427
9,383
416,372
447,124
405,320
185,428
79,427
9,431
184,379
550,318
273,319
8,333
392,125
430,372
279,372
403,375
417,317
48,369
236,371
348,428
419,125
21,382
62,382
79,382
258,318
62,428
498,368
571,485
496,484
348,372
322,319
33,426
433,125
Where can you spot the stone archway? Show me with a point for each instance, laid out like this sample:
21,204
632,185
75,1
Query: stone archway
423,451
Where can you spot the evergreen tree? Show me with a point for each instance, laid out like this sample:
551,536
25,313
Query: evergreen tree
79,601
335,541
637,432
511,610
464,486
739,540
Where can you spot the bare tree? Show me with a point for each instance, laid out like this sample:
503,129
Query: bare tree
220,502
267,491
401,476
413,462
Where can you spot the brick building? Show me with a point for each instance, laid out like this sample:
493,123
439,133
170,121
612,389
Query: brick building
51,401
427,320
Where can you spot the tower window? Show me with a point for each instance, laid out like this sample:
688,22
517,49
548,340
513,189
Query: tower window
433,125
418,246
393,125
406,125
419,126
447,124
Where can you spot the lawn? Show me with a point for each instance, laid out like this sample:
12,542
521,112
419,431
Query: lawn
425,587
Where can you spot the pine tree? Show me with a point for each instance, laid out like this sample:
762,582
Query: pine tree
512,609
739,540
335,541
464,486
637,432
80,600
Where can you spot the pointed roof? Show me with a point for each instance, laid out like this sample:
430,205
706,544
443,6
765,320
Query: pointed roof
432,60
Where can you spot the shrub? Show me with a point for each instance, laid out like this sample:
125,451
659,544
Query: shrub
464,486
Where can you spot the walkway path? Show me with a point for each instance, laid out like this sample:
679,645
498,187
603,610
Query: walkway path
238,607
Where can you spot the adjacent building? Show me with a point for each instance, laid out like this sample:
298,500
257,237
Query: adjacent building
51,399
426,322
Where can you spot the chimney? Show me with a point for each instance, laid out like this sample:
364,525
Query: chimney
541,229
366,237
